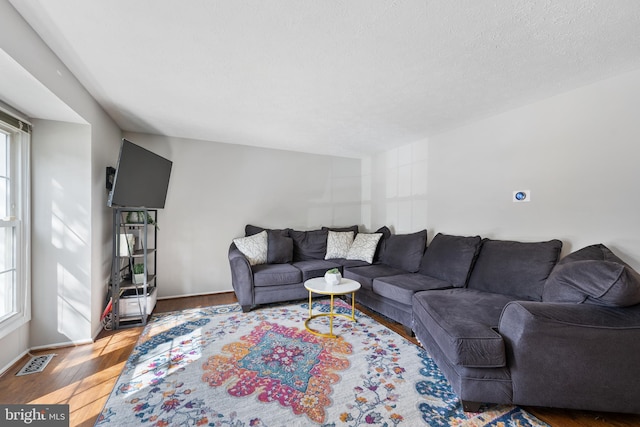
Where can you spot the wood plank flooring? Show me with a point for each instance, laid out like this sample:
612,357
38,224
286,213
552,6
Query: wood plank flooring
83,376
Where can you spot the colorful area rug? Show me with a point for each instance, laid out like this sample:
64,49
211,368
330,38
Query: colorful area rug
217,366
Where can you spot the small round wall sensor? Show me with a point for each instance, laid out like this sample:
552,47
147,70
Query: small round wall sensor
521,195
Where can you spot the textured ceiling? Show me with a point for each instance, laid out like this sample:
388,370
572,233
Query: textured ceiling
347,78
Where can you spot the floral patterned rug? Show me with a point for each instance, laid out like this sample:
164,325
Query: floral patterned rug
217,366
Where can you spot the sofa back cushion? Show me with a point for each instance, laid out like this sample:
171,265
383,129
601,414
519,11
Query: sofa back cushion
404,251
250,230
279,249
512,268
593,275
308,245
450,258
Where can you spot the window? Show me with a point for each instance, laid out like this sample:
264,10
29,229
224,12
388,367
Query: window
14,224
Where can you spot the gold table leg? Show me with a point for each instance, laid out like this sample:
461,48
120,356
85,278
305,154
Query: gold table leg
353,306
331,315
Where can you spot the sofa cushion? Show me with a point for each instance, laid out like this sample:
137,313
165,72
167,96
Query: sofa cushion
254,247
597,252
402,287
593,275
309,245
275,274
404,251
364,247
250,230
450,258
514,268
350,262
463,322
365,275
338,244
279,248
315,267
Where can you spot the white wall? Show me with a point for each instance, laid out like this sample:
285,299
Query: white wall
216,189
61,226
105,145
101,142
394,189
577,152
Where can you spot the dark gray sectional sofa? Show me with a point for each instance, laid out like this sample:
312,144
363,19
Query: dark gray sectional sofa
505,321
292,258
388,287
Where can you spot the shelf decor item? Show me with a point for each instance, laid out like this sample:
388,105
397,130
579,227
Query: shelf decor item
127,244
137,217
333,276
138,274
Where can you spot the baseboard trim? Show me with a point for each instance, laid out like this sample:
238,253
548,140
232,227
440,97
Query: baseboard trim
5,368
62,344
53,346
195,295
13,362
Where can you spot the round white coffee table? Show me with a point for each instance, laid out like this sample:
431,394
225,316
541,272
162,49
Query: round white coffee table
319,286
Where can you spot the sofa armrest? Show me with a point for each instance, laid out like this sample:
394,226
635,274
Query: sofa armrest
579,356
241,277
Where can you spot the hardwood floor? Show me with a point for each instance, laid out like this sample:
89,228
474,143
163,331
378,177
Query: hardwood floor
83,376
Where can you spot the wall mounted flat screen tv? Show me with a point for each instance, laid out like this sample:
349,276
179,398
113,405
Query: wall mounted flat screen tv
141,179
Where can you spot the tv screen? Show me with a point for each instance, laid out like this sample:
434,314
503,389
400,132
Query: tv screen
141,179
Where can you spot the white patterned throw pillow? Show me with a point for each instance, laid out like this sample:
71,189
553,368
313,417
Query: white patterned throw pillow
253,247
338,244
364,247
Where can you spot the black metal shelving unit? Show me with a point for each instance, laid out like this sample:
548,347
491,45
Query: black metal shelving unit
133,298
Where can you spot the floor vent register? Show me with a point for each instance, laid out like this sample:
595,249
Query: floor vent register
35,364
